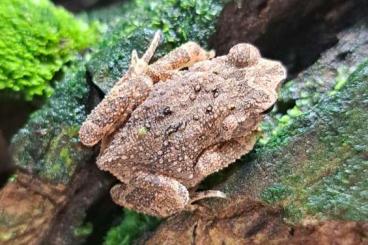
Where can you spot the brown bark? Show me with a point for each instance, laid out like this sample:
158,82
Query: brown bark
292,31
244,221
39,212
27,207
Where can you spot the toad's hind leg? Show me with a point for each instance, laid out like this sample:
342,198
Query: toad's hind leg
179,58
152,194
219,157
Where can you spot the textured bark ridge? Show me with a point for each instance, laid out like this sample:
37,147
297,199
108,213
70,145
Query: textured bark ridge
292,31
331,70
27,207
243,221
33,210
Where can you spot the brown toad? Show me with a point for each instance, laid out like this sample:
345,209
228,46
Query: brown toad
164,128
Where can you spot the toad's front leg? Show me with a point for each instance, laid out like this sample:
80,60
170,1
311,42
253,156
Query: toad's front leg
155,195
114,109
126,95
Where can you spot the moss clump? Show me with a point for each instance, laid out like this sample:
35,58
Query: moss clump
83,231
274,125
132,225
275,193
344,194
36,39
48,145
179,20
6,236
341,78
312,92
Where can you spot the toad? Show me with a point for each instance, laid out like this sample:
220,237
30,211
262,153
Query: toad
168,125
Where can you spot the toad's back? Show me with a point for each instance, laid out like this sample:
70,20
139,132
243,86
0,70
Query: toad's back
182,118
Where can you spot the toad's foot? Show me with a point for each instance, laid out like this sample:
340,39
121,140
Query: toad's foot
196,207
207,194
152,194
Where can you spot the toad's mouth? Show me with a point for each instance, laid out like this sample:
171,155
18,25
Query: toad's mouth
268,110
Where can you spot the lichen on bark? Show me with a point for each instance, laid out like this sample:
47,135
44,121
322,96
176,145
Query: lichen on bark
48,146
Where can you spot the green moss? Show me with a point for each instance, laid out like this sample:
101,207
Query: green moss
142,131
307,90
12,178
36,39
341,78
48,145
6,235
321,161
292,213
275,193
274,127
132,225
179,20
83,231
344,194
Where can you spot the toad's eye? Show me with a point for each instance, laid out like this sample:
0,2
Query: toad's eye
244,54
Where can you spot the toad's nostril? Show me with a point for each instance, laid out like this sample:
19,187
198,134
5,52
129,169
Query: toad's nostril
244,54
